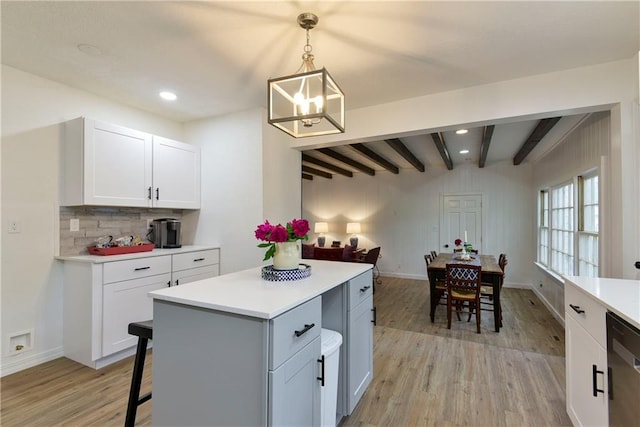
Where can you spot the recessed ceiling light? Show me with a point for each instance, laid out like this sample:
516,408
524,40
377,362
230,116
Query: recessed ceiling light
89,49
461,131
464,151
169,96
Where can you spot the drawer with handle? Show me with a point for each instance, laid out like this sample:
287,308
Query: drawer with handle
360,287
196,259
118,271
586,311
291,331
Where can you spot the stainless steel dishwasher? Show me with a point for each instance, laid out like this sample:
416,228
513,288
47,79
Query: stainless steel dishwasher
623,361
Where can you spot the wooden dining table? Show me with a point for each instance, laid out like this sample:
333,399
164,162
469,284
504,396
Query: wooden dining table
490,271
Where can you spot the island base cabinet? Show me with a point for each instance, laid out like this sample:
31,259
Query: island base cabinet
360,353
583,354
294,389
209,368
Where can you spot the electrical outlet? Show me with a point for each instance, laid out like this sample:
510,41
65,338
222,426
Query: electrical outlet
14,226
149,221
74,224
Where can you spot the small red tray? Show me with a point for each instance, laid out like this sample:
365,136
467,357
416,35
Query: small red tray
119,250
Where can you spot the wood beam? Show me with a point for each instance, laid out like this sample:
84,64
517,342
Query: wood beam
347,161
376,158
438,139
487,134
318,172
307,176
307,158
543,127
402,149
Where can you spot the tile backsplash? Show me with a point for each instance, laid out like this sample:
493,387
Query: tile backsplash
101,221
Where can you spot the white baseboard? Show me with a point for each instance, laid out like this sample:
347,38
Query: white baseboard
547,304
13,364
404,276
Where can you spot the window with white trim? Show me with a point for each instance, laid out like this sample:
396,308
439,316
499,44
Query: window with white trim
568,227
562,229
543,229
588,225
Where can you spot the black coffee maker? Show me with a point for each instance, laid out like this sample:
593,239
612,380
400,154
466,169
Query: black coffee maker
165,233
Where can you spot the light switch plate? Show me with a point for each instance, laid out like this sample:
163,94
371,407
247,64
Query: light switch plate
74,224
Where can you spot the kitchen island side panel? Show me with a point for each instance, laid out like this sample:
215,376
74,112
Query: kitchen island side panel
229,353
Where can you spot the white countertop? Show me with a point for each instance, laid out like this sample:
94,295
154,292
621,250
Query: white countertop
619,295
246,293
98,259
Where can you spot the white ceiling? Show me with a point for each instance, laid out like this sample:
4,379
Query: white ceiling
217,55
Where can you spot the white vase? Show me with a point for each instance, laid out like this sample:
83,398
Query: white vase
287,256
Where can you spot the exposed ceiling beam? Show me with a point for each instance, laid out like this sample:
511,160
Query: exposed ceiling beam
376,158
348,161
336,169
438,139
318,172
307,176
487,134
402,149
543,127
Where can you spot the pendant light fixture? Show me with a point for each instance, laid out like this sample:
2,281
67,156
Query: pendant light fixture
309,102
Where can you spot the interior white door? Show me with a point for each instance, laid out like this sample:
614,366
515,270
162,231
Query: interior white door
460,214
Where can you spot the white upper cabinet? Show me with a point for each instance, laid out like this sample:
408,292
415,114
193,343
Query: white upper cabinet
176,174
109,165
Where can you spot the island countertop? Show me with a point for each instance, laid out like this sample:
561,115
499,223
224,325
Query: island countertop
622,296
246,293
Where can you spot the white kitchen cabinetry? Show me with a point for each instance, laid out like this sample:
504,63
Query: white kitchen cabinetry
102,297
586,358
110,165
192,266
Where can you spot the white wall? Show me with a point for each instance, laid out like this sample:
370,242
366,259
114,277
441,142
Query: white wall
31,294
612,85
401,213
586,148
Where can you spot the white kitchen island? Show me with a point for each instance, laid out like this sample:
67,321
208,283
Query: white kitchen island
239,350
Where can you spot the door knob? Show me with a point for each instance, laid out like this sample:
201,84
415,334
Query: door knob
637,264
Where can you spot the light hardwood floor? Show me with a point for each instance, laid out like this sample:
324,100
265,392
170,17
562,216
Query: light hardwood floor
424,374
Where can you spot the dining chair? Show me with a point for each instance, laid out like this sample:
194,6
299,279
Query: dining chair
463,286
440,286
371,257
487,302
434,254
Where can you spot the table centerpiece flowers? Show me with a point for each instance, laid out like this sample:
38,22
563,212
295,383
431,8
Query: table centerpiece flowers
282,242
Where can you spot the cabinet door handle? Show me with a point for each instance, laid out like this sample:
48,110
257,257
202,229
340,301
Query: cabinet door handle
577,309
141,268
364,289
321,377
149,193
198,259
169,283
594,376
375,315
177,282
304,331
158,193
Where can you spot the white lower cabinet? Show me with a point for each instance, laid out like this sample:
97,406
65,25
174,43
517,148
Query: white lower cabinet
586,359
102,298
123,303
192,266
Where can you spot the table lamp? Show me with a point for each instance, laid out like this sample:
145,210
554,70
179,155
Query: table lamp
321,227
353,228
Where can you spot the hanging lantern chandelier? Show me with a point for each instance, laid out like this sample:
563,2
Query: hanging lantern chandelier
309,102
